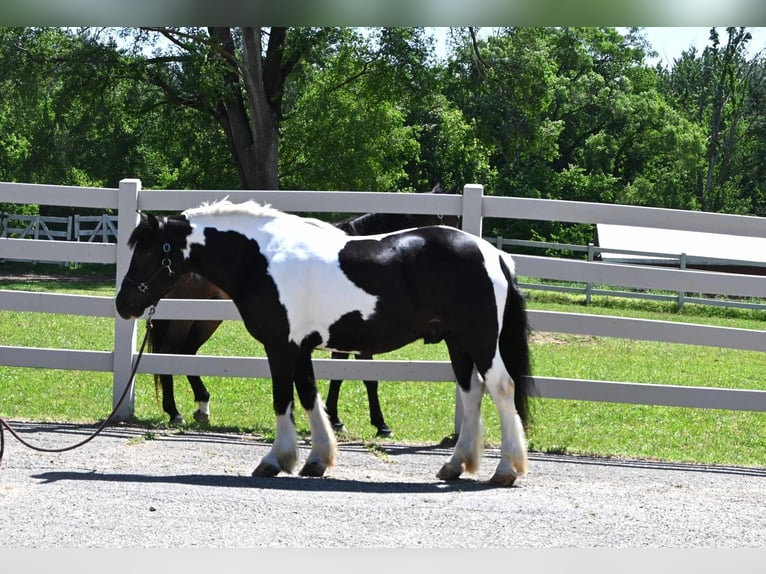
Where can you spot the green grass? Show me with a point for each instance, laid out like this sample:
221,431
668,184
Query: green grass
424,412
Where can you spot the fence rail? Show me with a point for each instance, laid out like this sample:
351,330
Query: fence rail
472,206
594,253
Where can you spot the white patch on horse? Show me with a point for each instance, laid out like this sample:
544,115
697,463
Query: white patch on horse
302,256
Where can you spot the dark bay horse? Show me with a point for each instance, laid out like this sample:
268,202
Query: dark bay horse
301,284
185,337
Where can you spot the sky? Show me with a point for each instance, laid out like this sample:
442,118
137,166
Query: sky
668,42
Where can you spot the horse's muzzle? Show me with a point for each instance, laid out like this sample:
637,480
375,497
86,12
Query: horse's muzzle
128,305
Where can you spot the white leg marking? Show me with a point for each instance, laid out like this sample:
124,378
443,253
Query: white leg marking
284,451
203,407
470,444
513,446
323,444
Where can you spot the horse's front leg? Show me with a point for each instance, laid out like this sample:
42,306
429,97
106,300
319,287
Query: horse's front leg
284,452
323,444
169,400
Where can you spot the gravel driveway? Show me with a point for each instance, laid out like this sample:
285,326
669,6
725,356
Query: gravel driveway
128,488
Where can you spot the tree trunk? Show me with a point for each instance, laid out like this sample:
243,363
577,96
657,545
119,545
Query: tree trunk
251,126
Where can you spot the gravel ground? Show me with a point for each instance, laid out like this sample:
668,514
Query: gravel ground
172,489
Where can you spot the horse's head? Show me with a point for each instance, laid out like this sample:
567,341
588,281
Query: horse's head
155,266
451,220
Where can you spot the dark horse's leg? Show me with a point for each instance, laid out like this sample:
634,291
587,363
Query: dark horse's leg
169,400
376,413
332,398
199,333
183,338
162,335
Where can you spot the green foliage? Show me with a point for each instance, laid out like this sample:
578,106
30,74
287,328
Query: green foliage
561,113
717,90
364,133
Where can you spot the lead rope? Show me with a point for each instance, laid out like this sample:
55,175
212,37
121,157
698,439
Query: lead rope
103,425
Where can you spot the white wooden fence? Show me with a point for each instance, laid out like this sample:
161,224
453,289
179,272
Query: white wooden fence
636,257
472,206
74,227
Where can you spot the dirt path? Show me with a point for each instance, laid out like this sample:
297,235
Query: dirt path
131,488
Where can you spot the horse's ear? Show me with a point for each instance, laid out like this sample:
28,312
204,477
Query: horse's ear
151,221
437,188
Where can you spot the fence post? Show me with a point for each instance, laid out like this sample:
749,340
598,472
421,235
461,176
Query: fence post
124,330
681,294
473,203
589,286
471,220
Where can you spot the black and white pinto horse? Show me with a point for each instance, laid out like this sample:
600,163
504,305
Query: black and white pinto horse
301,284
186,336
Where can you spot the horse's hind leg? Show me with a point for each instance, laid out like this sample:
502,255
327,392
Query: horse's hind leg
201,397
470,443
376,413
323,445
513,446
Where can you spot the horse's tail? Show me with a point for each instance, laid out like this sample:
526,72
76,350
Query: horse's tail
154,338
514,342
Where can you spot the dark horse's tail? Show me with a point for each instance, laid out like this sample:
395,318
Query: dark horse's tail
155,336
514,344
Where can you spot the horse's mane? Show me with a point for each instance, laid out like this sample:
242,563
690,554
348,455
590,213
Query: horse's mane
251,208
226,207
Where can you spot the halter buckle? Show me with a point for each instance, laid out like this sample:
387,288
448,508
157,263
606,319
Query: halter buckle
166,265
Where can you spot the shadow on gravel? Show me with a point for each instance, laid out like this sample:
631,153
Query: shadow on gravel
286,483
648,464
441,449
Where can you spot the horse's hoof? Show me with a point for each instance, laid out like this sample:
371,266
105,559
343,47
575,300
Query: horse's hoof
338,426
315,469
266,470
201,417
384,432
449,472
177,420
502,479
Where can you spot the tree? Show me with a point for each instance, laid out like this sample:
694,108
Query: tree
344,127
729,74
260,84
371,116
235,75
713,89
573,113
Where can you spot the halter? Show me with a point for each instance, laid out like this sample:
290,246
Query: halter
165,265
